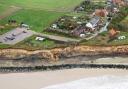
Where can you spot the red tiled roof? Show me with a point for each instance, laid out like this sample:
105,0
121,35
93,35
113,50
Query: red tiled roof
101,12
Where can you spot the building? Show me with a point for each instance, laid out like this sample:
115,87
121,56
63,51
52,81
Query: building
101,12
93,22
118,2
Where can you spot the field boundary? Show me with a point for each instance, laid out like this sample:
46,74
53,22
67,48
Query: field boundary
9,11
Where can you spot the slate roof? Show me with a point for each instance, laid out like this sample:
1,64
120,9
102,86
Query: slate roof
94,20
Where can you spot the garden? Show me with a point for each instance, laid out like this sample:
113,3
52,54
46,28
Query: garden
66,25
89,6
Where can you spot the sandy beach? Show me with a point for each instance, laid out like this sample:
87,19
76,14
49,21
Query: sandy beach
38,80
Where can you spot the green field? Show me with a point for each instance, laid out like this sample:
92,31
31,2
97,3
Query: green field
39,14
57,5
31,44
38,20
2,8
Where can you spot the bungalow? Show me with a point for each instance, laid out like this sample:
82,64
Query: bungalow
93,22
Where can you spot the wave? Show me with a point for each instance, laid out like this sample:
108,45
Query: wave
104,82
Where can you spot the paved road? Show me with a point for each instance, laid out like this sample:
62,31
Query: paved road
103,29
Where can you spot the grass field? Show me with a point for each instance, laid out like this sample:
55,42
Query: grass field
32,44
39,14
125,20
3,8
56,5
37,19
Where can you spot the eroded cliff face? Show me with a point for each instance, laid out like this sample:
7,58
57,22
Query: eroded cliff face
57,53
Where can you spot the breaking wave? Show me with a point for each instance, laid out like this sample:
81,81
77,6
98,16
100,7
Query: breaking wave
104,82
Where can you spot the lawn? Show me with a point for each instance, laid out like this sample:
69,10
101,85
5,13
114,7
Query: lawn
2,46
37,19
56,5
125,20
3,8
32,44
2,31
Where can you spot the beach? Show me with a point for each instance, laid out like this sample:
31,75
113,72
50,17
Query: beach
40,80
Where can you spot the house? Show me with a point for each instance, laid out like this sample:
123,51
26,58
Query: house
77,31
101,12
118,2
81,31
93,22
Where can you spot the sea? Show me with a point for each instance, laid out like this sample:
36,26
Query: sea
102,82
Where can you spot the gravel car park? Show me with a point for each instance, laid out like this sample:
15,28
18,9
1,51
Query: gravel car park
14,36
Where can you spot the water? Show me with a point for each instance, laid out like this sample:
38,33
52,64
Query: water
104,82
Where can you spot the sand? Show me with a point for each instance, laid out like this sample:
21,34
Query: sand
38,80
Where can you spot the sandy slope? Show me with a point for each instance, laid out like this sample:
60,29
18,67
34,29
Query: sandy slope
39,80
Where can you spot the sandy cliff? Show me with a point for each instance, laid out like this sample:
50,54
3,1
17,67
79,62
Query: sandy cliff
57,53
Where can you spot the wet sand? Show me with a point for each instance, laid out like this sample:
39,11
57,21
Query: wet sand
38,80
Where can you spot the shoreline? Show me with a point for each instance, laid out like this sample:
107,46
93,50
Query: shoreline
39,80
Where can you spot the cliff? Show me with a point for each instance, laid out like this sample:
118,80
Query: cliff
57,53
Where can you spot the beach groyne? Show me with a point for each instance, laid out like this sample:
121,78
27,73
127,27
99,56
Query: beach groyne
60,67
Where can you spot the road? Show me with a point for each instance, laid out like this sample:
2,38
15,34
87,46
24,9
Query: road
103,29
57,38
